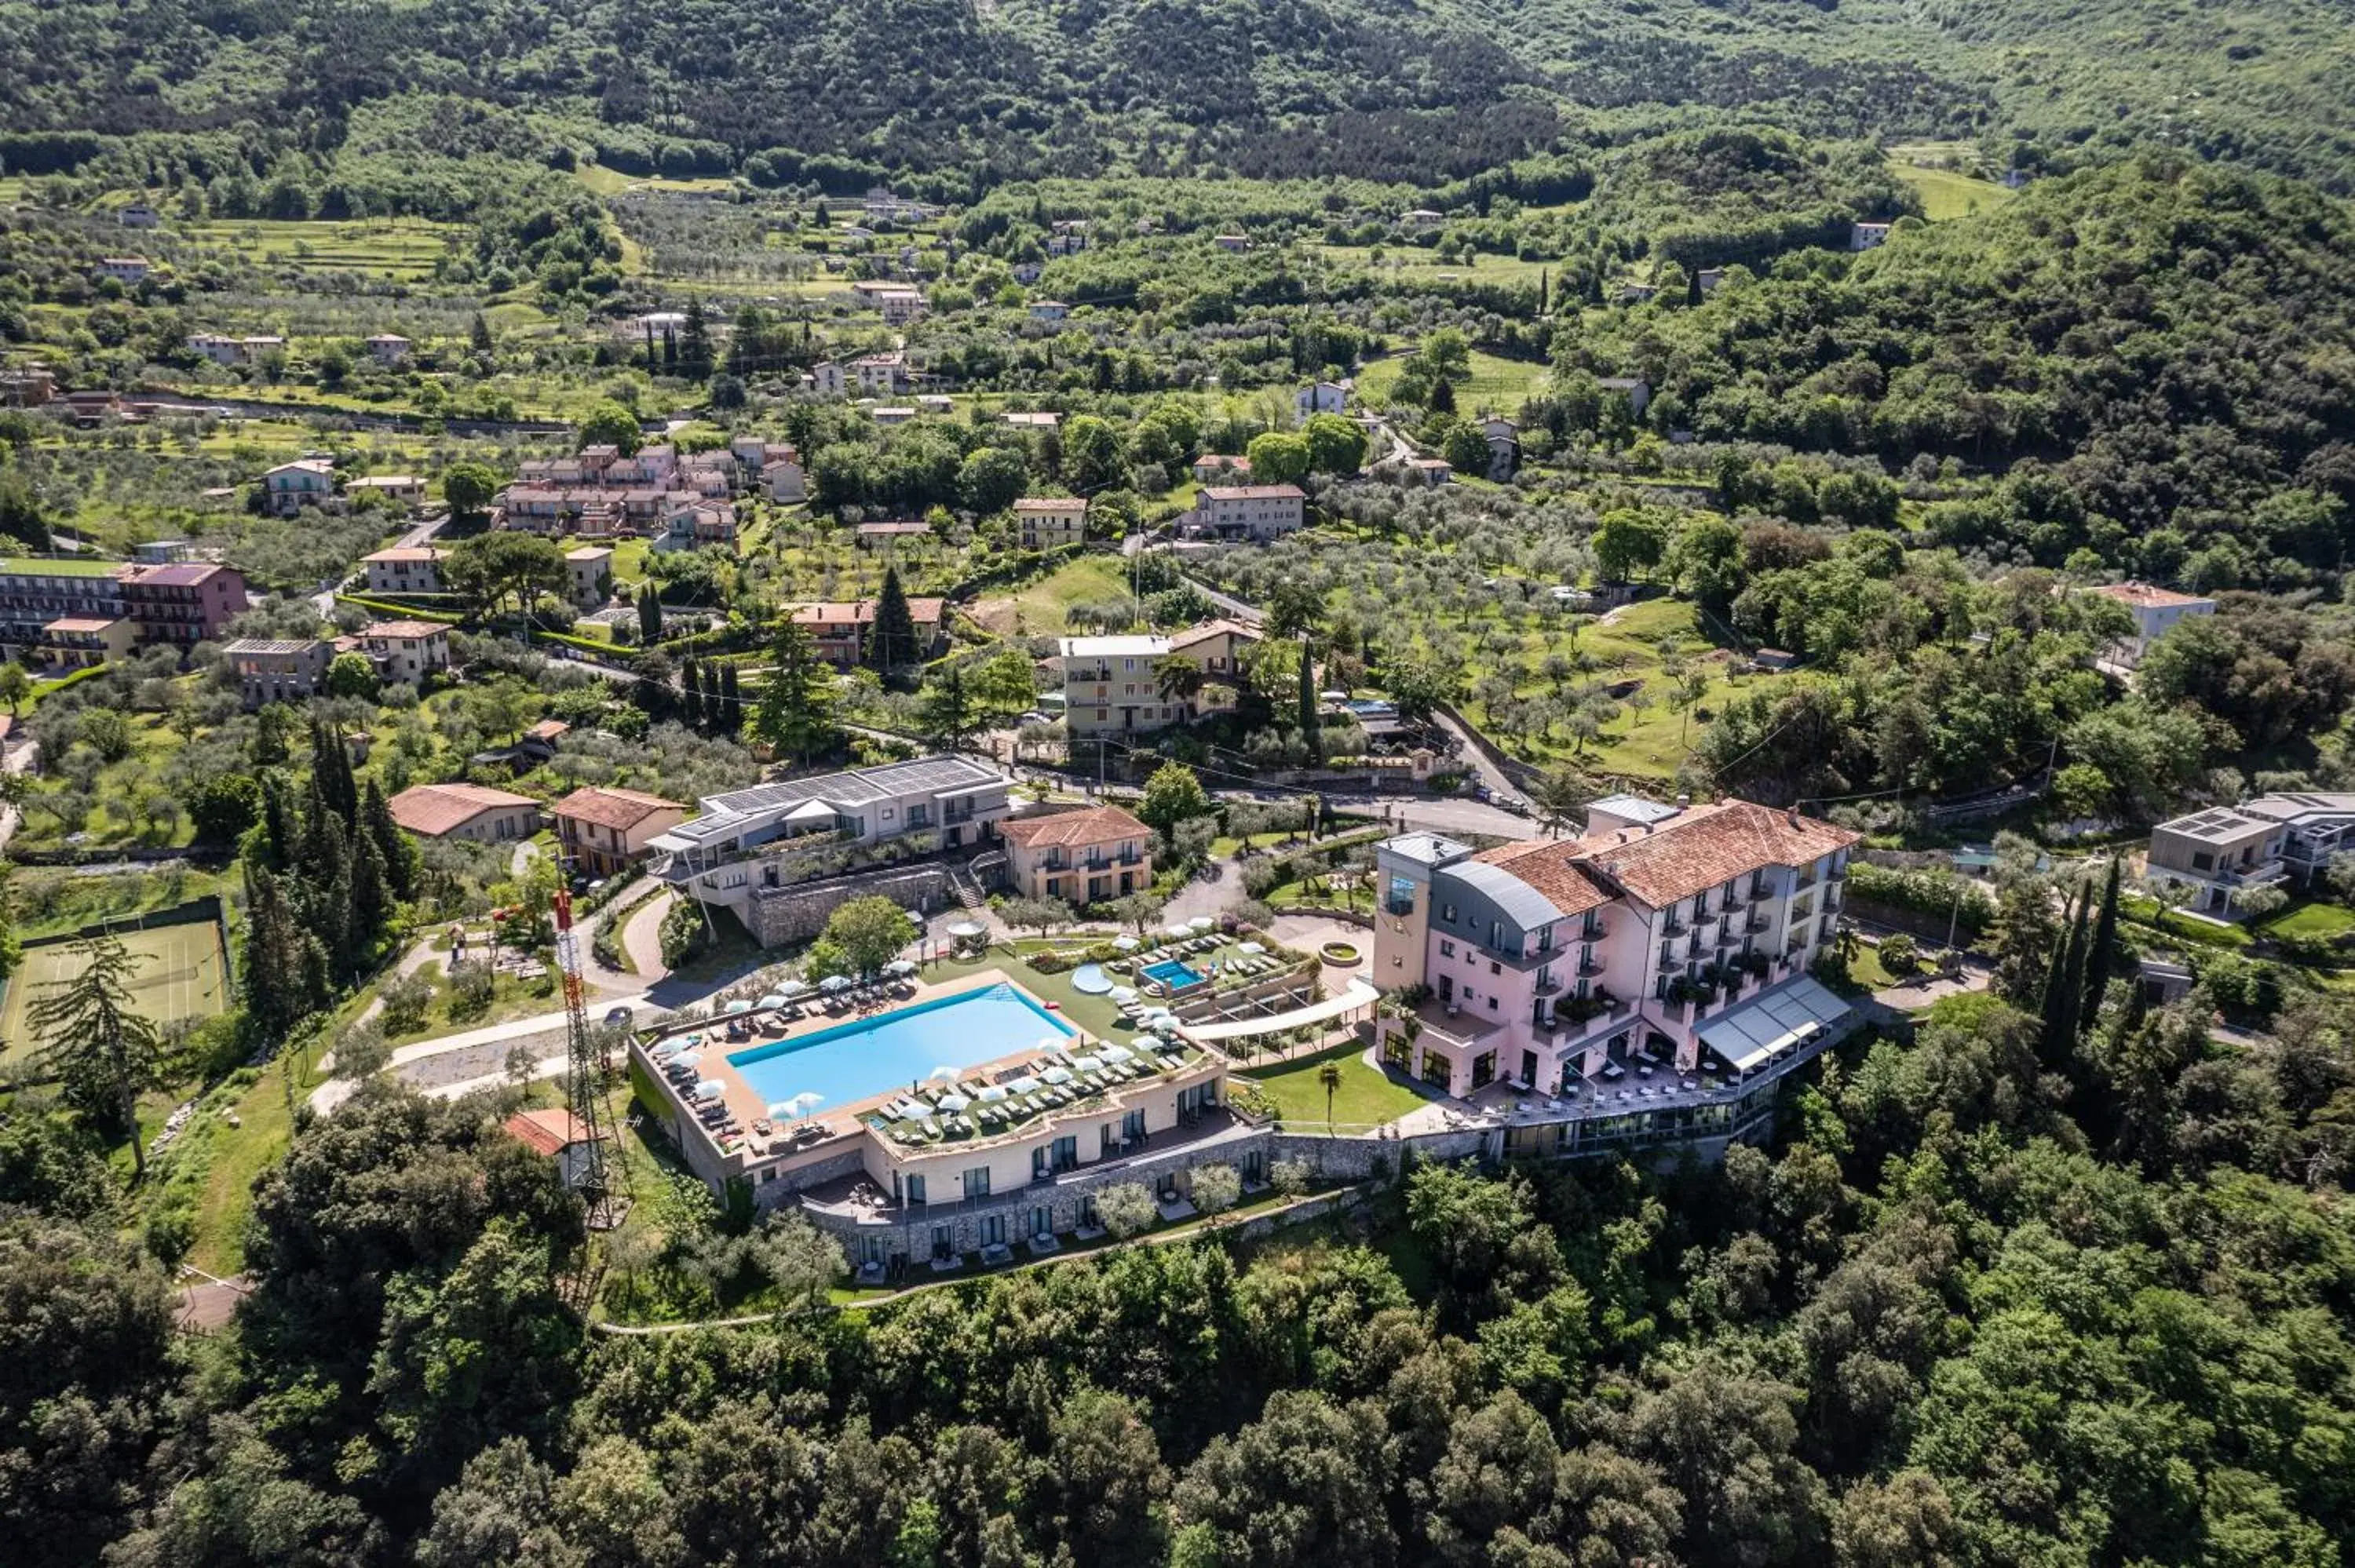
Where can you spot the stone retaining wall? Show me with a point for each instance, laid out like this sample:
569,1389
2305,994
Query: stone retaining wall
782,917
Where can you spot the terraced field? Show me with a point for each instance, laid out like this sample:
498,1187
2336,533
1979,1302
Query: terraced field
395,249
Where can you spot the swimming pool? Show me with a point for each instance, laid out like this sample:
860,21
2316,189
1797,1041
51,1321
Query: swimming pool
852,1061
1173,974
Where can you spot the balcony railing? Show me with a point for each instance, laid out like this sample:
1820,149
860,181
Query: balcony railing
1592,929
1758,923
1673,927
1761,891
1588,965
1398,906
1704,918
1548,984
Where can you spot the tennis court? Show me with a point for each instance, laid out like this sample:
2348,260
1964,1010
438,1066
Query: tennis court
181,975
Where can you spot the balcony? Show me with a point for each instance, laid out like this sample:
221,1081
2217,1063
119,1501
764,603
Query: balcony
1704,917
1757,922
1549,984
1672,926
1761,891
1590,964
1594,928
1399,906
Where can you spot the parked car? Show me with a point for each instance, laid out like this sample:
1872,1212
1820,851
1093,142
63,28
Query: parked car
618,1014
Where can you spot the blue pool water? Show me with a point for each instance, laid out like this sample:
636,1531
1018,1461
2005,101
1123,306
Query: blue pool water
1173,974
852,1061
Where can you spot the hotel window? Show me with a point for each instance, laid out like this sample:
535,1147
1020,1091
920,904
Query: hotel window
1447,949
976,1181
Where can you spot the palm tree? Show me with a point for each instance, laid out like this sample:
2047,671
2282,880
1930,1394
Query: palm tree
1329,1076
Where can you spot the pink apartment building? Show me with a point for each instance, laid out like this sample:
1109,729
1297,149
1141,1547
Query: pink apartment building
1670,937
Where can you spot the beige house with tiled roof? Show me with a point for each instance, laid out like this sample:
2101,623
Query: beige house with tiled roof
1048,521
603,830
1082,857
472,812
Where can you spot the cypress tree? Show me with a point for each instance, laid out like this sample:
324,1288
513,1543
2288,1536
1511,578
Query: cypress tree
280,826
393,848
331,771
1307,696
649,616
691,694
2101,959
2056,980
891,644
371,899
273,957
2073,982
731,702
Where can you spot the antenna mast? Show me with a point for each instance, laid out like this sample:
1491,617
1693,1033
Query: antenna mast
584,1078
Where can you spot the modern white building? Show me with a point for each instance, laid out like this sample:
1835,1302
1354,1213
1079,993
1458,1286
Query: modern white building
2156,612
2223,852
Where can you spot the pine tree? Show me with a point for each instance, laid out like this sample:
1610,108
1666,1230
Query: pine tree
478,333
394,848
796,713
105,1050
331,771
2101,959
891,644
2056,980
275,961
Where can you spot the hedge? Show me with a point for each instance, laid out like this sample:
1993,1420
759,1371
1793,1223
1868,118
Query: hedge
397,611
1929,891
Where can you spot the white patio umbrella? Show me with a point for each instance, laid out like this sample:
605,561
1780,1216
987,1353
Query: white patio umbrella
943,1074
739,1005
1115,1053
804,1103
1050,1042
1127,944
1057,1075
1021,1086
1086,1064
685,1059
1201,923
901,966
833,983
793,987
953,1102
1179,928
709,1089
991,1094
776,999
1123,994
1252,950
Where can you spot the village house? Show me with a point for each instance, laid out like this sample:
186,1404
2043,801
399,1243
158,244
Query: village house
1082,857
1050,522
2156,612
839,630
1867,236
278,669
128,271
406,651
697,523
1232,244
879,375
1049,310
26,386
37,590
1256,512
890,535
553,1132
784,480
402,489
588,572
406,569
1416,220
388,348
138,215
1635,389
900,306
81,642
291,486
1032,420
185,603
1321,397
898,415
1115,685
605,830
1222,468
470,811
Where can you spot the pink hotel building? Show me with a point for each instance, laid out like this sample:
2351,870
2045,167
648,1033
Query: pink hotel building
1676,936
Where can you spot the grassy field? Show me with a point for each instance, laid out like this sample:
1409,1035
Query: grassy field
1415,265
182,974
1648,739
402,249
1500,384
1043,607
1945,193
1366,1095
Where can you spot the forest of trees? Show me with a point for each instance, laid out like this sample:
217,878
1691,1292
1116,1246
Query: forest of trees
1993,1299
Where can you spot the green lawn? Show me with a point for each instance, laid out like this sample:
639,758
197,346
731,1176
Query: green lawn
1366,1095
1043,607
2313,921
1945,193
1503,385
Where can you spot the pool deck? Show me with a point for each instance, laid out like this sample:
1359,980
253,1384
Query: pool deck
842,1123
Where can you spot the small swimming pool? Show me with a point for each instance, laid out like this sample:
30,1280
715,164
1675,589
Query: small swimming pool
1089,979
853,1061
1173,974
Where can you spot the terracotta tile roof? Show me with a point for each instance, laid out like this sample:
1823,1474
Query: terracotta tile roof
549,1131
1707,847
1253,492
433,810
1210,629
1548,866
406,553
618,809
2148,596
404,630
923,611
1056,504
548,729
1069,830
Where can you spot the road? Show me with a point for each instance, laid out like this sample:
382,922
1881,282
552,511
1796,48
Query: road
1470,755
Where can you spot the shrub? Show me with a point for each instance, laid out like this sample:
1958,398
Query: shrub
1125,1208
1898,954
